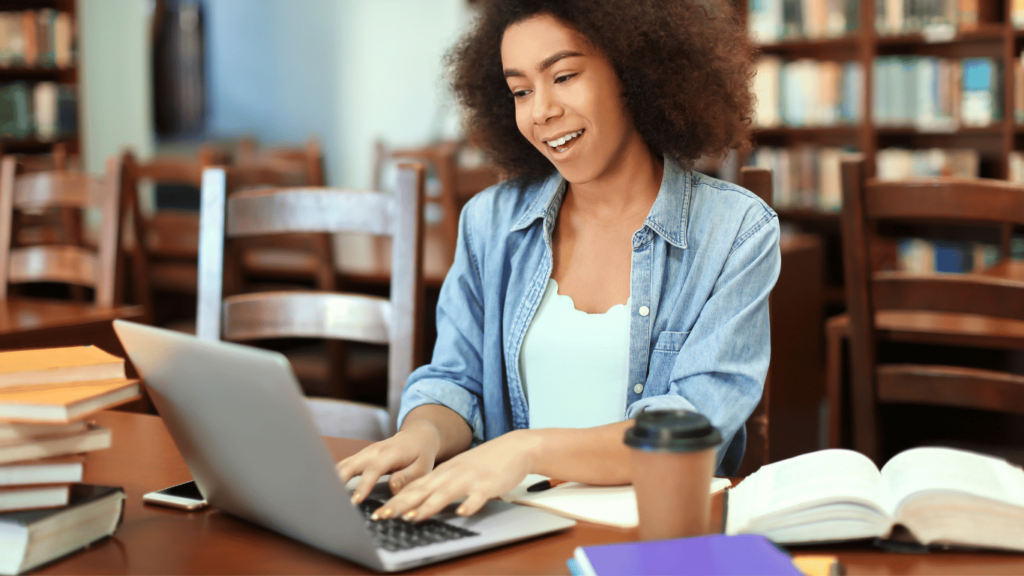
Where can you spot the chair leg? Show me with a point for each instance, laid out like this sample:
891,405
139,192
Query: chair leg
867,438
833,387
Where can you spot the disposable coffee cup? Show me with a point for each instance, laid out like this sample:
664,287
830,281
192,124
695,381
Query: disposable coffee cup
673,461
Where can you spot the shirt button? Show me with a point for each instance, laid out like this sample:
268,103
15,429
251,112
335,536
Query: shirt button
644,310
639,388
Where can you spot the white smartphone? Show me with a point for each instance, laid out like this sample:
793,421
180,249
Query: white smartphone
183,497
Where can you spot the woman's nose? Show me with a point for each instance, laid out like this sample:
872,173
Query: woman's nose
545,106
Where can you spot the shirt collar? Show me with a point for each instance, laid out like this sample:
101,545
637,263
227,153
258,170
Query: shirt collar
667,218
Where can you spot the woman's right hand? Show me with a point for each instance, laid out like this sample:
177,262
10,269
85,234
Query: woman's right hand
407,455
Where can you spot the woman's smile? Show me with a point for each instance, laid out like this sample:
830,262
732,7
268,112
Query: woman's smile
560,146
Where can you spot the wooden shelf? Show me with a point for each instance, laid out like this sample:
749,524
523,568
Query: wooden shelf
993,130
841,48
807,215
32,144
811,132
983,33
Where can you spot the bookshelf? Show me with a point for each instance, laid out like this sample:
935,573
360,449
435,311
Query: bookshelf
59,68
954,31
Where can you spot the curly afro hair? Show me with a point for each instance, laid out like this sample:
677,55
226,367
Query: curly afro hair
685,67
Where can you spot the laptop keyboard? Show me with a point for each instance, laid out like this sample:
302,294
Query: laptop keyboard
396,534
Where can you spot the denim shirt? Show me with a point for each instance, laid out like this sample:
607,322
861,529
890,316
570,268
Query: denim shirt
703,264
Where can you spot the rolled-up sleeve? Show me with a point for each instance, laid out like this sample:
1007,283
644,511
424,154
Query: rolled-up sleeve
720,367
453,377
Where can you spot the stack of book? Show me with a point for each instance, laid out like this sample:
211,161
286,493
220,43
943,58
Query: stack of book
46,397
45,110
936,93
36,38
784,96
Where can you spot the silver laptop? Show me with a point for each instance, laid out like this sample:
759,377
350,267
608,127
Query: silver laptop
239,420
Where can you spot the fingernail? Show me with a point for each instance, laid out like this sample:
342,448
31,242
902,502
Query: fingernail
396,485
409,515
374,516
461,510
355,498
387,513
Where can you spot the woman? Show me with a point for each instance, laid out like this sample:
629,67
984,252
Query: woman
604,278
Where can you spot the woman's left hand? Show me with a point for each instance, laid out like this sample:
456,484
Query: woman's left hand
487,471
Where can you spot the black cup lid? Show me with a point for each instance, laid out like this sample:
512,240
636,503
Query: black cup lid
672,430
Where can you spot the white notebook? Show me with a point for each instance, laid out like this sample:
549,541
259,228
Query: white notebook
608,505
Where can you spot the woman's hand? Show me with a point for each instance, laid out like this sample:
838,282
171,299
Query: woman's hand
485,472
407,455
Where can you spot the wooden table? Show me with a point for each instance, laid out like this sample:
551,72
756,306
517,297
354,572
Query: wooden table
155,540
31,323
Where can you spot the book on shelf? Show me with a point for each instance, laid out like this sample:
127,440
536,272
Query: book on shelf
36,38
58,365
936,94
923,256
1016,165
65,402
45,110
941,496
93,438
937,20
904,164
805,92
803,176
32,538
15,110
775,20
59,470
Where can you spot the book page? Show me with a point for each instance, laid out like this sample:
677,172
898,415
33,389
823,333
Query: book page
815,478
924,469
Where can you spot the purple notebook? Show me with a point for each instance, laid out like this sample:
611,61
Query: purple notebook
718,555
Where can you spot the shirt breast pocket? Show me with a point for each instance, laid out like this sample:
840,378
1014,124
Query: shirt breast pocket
663,358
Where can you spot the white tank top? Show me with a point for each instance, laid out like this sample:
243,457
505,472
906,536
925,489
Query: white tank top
575,365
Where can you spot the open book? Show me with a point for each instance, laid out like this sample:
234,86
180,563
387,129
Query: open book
941,495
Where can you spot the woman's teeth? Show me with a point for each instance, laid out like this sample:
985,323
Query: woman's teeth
556,143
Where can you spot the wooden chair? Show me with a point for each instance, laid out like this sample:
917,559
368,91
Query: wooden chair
290,257
162,246
457,185
224,313
308,159
68,262
977,310
758,181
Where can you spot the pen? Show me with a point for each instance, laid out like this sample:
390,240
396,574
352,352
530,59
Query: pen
544,485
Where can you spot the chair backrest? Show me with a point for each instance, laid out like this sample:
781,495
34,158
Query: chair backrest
307,159
758,181
458,183
943,203
946,202
68,263
397,321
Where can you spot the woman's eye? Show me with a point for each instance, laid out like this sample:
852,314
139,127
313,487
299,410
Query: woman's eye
564,78
517,94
